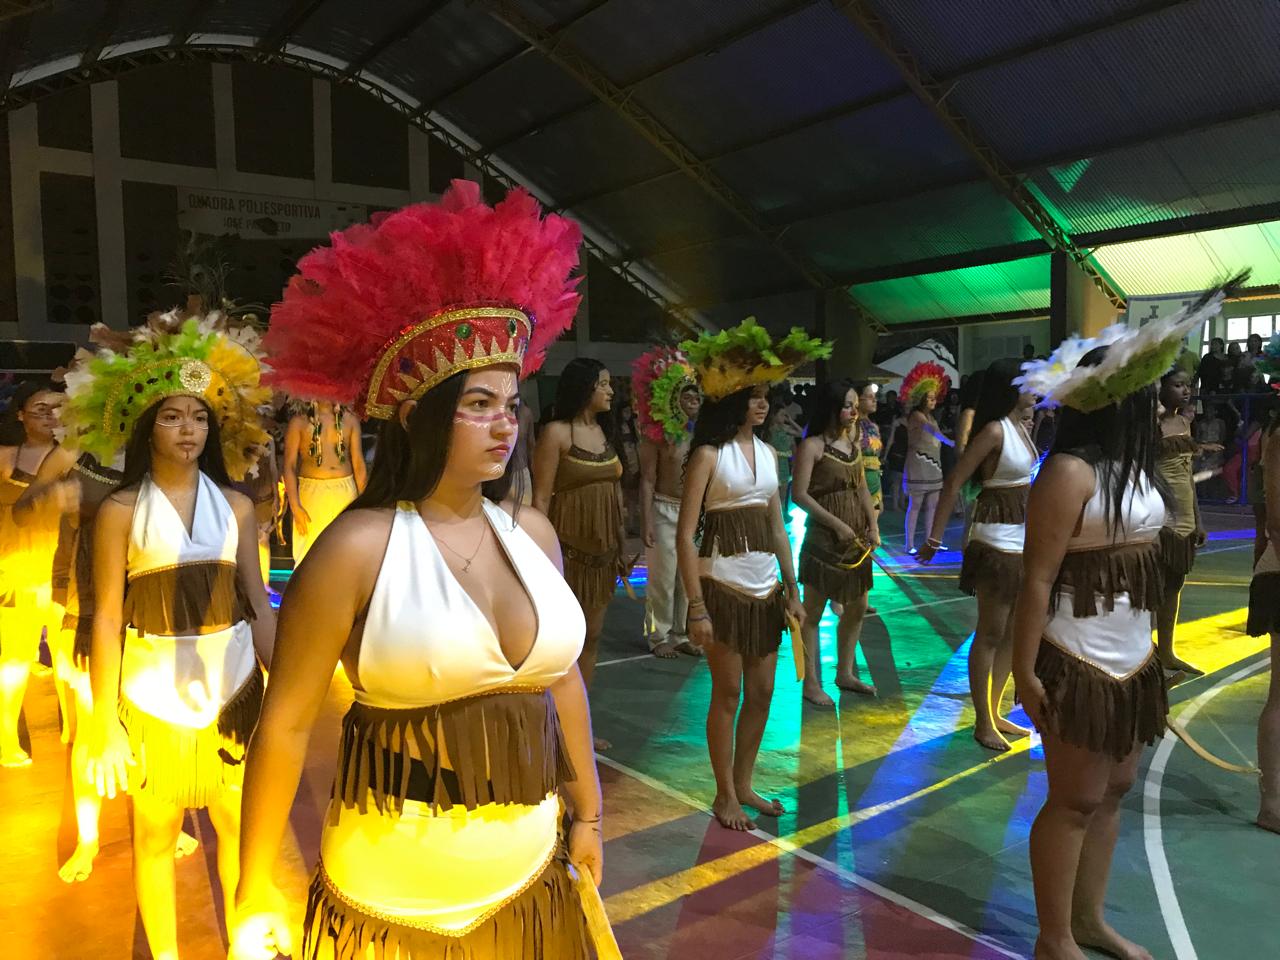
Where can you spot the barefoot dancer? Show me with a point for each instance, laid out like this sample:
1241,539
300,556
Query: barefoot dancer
842,529
667,403
737,607
1085,665
1183,533
324,469
1001,454
456,628
175,573
923,389
577,484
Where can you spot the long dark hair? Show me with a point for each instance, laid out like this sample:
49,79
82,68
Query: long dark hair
577,383
13,433
1119,441
826,407
137,452
719,420
410,459
998,395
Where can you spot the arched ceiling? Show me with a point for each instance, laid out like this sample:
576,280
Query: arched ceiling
724,153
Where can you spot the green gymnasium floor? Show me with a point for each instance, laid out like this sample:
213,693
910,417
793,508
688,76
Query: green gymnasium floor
903,837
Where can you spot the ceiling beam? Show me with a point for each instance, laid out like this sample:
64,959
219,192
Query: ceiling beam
709,48
859,104
190,22
409,25
102,32
523,49
1177,226
295,16
564,55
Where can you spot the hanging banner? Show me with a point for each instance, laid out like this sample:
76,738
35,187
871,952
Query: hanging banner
1143,310
218,213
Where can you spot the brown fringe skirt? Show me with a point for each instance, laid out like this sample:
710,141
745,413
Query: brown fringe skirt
740,530
824,567
1001,505
1096,577
1264,605
1091,709
545,922
1177,554
750,626
593,578
190,767
985,566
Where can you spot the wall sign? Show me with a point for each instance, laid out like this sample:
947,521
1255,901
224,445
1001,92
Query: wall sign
217,213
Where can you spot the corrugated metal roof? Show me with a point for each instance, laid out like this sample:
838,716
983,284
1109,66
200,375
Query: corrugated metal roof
142,19
1194,261
665,213
346,31
812,61
246,18
722,273
968,292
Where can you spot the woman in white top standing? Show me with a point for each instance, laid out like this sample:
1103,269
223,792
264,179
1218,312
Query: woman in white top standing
449,612
1086,669
737,606
175,573
1001,455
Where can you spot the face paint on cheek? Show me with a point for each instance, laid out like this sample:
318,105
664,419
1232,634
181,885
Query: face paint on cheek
485,419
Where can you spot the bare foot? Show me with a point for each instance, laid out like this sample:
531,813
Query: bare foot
80,864
1178,664
1101,936
817,696
18,758
600,743
689,649
187,845
1066,949
665,650
1010,729
854,685
731,815
767,808
991,740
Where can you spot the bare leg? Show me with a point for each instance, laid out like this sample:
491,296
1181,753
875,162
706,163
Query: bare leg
1166,622
1269,747
587,659
991,632
848,632
156,825
758,673
930,508
88,804
224,813
726,691
814,604
1077,784
1001,670
13,689
913,516
1089,924
1259,531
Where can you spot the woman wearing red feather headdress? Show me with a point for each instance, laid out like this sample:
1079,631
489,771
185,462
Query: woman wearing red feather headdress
448,611
922,390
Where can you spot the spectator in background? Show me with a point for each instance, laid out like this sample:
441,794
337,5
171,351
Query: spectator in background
781,432
1229,367
1028,352
1212,365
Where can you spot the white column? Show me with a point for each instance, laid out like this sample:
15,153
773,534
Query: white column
322,136
224,120
108,193
28,225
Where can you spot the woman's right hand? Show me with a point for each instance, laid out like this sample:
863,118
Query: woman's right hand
700,633
1031,694
261,928
926,553
844,533
110,758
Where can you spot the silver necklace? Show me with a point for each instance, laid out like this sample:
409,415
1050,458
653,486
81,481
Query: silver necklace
466,561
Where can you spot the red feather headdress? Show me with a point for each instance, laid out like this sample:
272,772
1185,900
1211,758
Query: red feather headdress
391,308
925,377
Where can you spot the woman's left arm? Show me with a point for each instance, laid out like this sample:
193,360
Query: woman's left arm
782,549
248,573
586,839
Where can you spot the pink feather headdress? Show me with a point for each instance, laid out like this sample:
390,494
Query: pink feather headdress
391,308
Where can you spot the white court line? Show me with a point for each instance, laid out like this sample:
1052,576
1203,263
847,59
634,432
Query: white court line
1174,922
638,656
857,817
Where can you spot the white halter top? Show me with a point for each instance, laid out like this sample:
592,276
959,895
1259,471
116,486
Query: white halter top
734,485
1117,642
158,538
426,642
1016,458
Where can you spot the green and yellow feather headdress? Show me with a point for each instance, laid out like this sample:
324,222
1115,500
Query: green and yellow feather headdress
172,355
746,356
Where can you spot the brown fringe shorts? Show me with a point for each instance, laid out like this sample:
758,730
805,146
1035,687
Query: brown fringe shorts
985,566
750,626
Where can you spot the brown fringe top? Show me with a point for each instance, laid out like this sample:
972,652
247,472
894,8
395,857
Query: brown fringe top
1095,577
502,746
737,530
1002,504
185,599
586,509
1178,444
